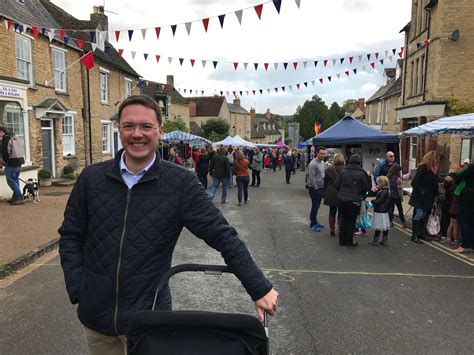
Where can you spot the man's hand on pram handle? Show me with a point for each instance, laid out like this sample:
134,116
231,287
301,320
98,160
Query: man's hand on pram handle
268,303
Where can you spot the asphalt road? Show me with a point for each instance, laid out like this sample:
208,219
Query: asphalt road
405,298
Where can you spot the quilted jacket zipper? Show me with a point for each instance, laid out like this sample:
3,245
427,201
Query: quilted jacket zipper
129,192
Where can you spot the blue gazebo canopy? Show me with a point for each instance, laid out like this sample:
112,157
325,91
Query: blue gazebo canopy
350,131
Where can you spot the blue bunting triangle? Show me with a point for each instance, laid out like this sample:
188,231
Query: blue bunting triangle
173,28
181,60
315,63
43,31
368,56
92,35
277,4
215,64
130,34
66,39
285,65
107,50
255,65
261,91
221,20
145,55
354,70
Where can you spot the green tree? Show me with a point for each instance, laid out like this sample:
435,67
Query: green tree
216,137
348,106
175,125
216,126
335,113
306,115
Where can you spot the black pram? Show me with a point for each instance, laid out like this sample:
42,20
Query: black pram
195,332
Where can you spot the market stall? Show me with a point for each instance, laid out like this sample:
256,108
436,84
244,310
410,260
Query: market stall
354,137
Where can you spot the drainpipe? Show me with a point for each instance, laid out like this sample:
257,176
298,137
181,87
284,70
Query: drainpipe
426,52
89,115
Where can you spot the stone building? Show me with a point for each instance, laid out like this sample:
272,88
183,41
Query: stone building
269,125
240,121
438,72
47,95
202,109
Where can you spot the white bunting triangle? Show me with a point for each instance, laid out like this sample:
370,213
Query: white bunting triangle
360,58
227,93
247,92
364,67
204,62
386,53
239,16
313,82
334,61
94,46
188,27
298,2
268,90
6,24
275,65
100,36
51,34
144,33
245,65
338,76
291,87
305,64
170,59
133,54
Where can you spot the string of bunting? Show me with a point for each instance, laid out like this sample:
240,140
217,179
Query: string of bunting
157,30
295,64
282,89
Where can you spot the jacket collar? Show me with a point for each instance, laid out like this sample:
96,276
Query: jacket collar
152,173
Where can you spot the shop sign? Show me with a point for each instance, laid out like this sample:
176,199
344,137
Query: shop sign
9,92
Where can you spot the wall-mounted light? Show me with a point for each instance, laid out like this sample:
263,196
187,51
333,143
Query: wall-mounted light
454,36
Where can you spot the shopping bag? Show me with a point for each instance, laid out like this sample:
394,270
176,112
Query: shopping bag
433,226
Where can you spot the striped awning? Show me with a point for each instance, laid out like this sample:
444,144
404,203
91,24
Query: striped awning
179,136
461,124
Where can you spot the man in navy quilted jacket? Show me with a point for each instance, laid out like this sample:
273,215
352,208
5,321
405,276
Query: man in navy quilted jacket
122,222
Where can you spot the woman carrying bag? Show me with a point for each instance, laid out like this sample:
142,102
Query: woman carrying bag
241,171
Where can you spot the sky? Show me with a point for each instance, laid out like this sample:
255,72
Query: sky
317,30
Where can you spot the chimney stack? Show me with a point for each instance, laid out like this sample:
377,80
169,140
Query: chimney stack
252,113
192,109
268,114
237,101
170,80
99,18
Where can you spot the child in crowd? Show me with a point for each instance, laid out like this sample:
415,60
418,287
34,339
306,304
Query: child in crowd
381,219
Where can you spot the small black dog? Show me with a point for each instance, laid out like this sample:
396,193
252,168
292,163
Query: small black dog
31,190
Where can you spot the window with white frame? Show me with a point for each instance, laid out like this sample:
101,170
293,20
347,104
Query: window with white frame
104,87
379,112
128,87
387,111
369,114
12,118
68,135
106,133
59,69
24,63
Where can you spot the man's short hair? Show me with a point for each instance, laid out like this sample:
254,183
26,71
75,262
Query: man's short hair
355,159
143,101
4,129
320,148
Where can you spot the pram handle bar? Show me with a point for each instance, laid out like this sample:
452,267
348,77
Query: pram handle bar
215,270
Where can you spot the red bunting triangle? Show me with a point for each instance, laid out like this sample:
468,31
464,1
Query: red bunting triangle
347,73
321,80
205,22
192,62
61,33
402,49
276,89
265,65
117,35
236,65
88,60
298,86
295,65
427,42
80,43
202,92
9,24
157,58
258,10
325,62
35,30
120,52
377,55
253,91
157,31
400,54
372,65
234,93
351,59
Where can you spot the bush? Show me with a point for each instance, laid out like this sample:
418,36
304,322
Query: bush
68,169
44,174
71,176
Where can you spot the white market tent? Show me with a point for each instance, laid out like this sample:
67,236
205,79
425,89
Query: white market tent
243,143
460,124
227,141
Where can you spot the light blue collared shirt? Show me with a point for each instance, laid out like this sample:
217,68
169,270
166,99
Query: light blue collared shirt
130,178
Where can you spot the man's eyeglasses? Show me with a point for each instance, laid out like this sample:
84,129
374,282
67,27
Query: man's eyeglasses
128,127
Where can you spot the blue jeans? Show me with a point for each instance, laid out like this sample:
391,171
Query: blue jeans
243,186
215,185
316,197
12,173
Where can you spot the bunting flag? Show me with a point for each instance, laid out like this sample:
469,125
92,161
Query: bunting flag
205,22
117,35
368,56
266,66
334,61
236,65
245,65
298,86
188,27
36,31
144,33
426,42
66,40
215,64
145,55
61,34
157,31
351,59
130,35
141,84
321,80
133,54
277,4
372,65
347,72
258,10
157,57
51,35
221,20
120,52
275,65
181,60
298,2
377,55
325,62
92,35
253,91
239,16
313,82
295,65
285,65
342,60
315,63
354,70
204,62
173,29
88,60
338,75
80,43
305,64
43,30
329,78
